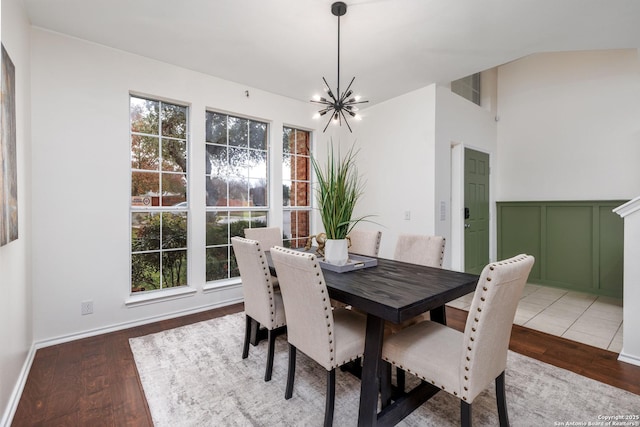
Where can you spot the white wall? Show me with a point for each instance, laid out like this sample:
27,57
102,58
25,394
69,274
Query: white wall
569,127
397,163
407,161
80,116
15,262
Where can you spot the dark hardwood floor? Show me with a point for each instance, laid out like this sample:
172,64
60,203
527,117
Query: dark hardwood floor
94,382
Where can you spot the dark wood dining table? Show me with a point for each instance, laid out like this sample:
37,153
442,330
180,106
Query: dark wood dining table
394,291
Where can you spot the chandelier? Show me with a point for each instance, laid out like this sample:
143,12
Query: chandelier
339,105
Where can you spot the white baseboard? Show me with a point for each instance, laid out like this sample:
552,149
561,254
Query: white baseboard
628,358
14,398
125,325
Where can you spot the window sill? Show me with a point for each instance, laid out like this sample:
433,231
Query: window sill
221,284
159,296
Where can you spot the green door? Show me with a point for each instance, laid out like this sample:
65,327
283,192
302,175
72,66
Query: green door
476,210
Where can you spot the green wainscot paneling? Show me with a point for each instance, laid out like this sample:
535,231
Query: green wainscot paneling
578,245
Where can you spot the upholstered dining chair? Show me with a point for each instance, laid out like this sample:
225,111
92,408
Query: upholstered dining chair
331,337
420,249
465,363
267,236
262,303
365,242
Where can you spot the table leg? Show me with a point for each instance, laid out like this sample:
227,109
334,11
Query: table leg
370,382
439,315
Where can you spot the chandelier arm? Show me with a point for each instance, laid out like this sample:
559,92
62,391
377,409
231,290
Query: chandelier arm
330,118
346,121
329,90
342,97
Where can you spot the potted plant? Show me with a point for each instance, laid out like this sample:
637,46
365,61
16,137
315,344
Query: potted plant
338,190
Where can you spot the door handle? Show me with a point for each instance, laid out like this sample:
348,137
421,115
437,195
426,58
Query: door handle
467,226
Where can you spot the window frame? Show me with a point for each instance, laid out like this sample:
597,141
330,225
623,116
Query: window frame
468,87
297,208
147,207
229,209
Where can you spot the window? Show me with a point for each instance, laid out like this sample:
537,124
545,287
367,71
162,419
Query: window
468,87
296,186
236,187
158,133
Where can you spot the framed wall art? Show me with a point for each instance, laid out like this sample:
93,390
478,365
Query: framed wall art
8,162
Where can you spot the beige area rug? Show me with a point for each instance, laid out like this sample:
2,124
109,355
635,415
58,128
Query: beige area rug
195,376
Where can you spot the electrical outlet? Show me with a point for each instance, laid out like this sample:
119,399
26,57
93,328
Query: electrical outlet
86,307
407,215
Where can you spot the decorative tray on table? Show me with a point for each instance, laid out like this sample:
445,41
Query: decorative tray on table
356,262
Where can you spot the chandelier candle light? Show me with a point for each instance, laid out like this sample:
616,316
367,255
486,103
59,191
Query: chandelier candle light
345,102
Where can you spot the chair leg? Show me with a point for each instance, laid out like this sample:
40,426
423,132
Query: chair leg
465,414
501,397
400,379
271,338
385,383
255,328
247,337
291,373
331,398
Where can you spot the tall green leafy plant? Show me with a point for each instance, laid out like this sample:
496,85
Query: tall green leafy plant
339,188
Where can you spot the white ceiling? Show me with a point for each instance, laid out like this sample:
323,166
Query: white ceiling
391,46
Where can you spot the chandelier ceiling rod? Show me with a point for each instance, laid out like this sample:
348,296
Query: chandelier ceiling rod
338,9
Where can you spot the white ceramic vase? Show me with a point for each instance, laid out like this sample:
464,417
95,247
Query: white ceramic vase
335,251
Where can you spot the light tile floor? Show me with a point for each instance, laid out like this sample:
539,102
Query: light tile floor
589,319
